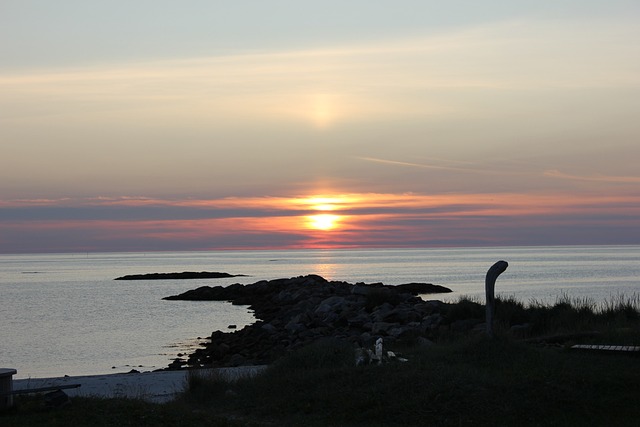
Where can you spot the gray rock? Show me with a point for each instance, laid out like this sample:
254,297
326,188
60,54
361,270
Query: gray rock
297,311
334,303
269,328
383,328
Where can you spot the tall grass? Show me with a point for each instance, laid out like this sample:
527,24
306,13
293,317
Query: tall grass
622,307
204,384
570,314
567,314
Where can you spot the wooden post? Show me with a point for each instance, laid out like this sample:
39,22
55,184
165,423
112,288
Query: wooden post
489,284
6,388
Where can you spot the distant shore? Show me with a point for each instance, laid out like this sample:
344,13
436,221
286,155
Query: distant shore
179,276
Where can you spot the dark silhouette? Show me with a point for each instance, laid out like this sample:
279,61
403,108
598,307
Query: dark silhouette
490,283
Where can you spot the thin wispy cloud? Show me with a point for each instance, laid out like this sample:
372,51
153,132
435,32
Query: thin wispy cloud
482,57
443,167
593,178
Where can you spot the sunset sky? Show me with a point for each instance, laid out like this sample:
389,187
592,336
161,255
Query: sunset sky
163,125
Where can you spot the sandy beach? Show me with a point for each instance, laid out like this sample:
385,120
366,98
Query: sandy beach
158,387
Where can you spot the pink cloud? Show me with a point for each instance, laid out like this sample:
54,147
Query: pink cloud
362,220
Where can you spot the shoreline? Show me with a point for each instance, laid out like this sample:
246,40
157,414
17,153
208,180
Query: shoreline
155,387
43,340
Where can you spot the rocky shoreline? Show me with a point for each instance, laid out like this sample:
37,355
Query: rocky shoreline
180,276
297,311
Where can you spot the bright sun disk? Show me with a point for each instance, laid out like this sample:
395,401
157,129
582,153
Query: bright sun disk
323,222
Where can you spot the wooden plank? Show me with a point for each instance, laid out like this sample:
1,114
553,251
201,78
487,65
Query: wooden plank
612,348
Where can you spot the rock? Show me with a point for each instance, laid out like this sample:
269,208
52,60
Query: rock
424,342
422,288
333,303
432,321
237,360
206,293
294,327
297,311
177,363
362,289
175,276
269,328
381,328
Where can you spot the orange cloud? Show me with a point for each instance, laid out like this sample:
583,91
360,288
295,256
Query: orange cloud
318,220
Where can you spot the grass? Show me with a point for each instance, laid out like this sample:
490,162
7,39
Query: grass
470,380
567,315
95,412
476,381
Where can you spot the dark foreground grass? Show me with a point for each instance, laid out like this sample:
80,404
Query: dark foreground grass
615,320
465,380
477,381
95,412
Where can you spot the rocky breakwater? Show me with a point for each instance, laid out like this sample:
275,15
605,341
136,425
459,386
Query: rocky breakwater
294,312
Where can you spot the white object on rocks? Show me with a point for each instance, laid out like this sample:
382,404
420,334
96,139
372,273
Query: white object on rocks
378,353
377,356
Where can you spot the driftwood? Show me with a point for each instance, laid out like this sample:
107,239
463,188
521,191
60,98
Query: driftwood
490,283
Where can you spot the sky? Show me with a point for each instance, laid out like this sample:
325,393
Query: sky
156,125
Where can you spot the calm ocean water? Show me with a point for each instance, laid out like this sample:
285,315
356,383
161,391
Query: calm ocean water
63,314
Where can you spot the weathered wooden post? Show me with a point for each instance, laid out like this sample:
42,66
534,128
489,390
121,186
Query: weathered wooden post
489,284
6,388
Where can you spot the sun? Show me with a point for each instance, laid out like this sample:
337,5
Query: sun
324,211
324,222
323,110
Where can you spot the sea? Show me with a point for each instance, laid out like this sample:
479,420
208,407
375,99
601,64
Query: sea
64,314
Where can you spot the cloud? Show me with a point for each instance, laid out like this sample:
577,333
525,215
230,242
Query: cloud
447,166
593,178
364,220
342,83
280,121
